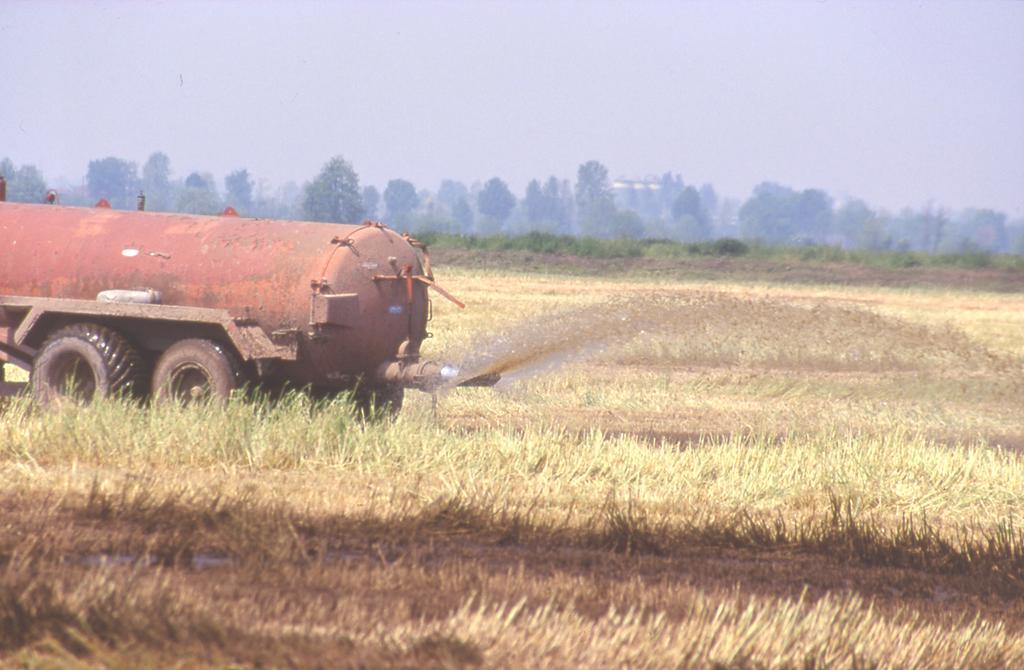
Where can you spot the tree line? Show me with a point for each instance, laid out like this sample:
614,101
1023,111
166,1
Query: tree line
593,205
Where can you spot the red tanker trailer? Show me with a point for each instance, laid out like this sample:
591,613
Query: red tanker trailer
95,301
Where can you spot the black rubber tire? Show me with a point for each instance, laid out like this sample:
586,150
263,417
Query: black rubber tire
89,361
379,402
197,369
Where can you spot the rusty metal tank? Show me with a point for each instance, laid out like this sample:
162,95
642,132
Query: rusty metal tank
354,296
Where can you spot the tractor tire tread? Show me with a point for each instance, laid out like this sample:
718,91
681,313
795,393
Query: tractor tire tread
124,365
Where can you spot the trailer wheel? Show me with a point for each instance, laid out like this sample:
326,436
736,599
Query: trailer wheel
85,361
196,369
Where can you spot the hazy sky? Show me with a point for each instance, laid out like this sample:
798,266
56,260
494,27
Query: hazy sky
899,103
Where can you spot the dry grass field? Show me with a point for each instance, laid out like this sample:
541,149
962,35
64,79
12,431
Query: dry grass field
713,473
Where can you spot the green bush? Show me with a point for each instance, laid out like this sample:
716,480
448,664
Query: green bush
729,246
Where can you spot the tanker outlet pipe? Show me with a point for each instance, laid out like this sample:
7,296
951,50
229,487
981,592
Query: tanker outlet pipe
428,375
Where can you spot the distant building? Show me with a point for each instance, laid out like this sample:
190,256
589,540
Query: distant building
638,195
632,185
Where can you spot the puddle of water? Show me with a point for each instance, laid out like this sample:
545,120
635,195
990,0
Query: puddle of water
345,556
203,561
103,560
198,562
206,561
